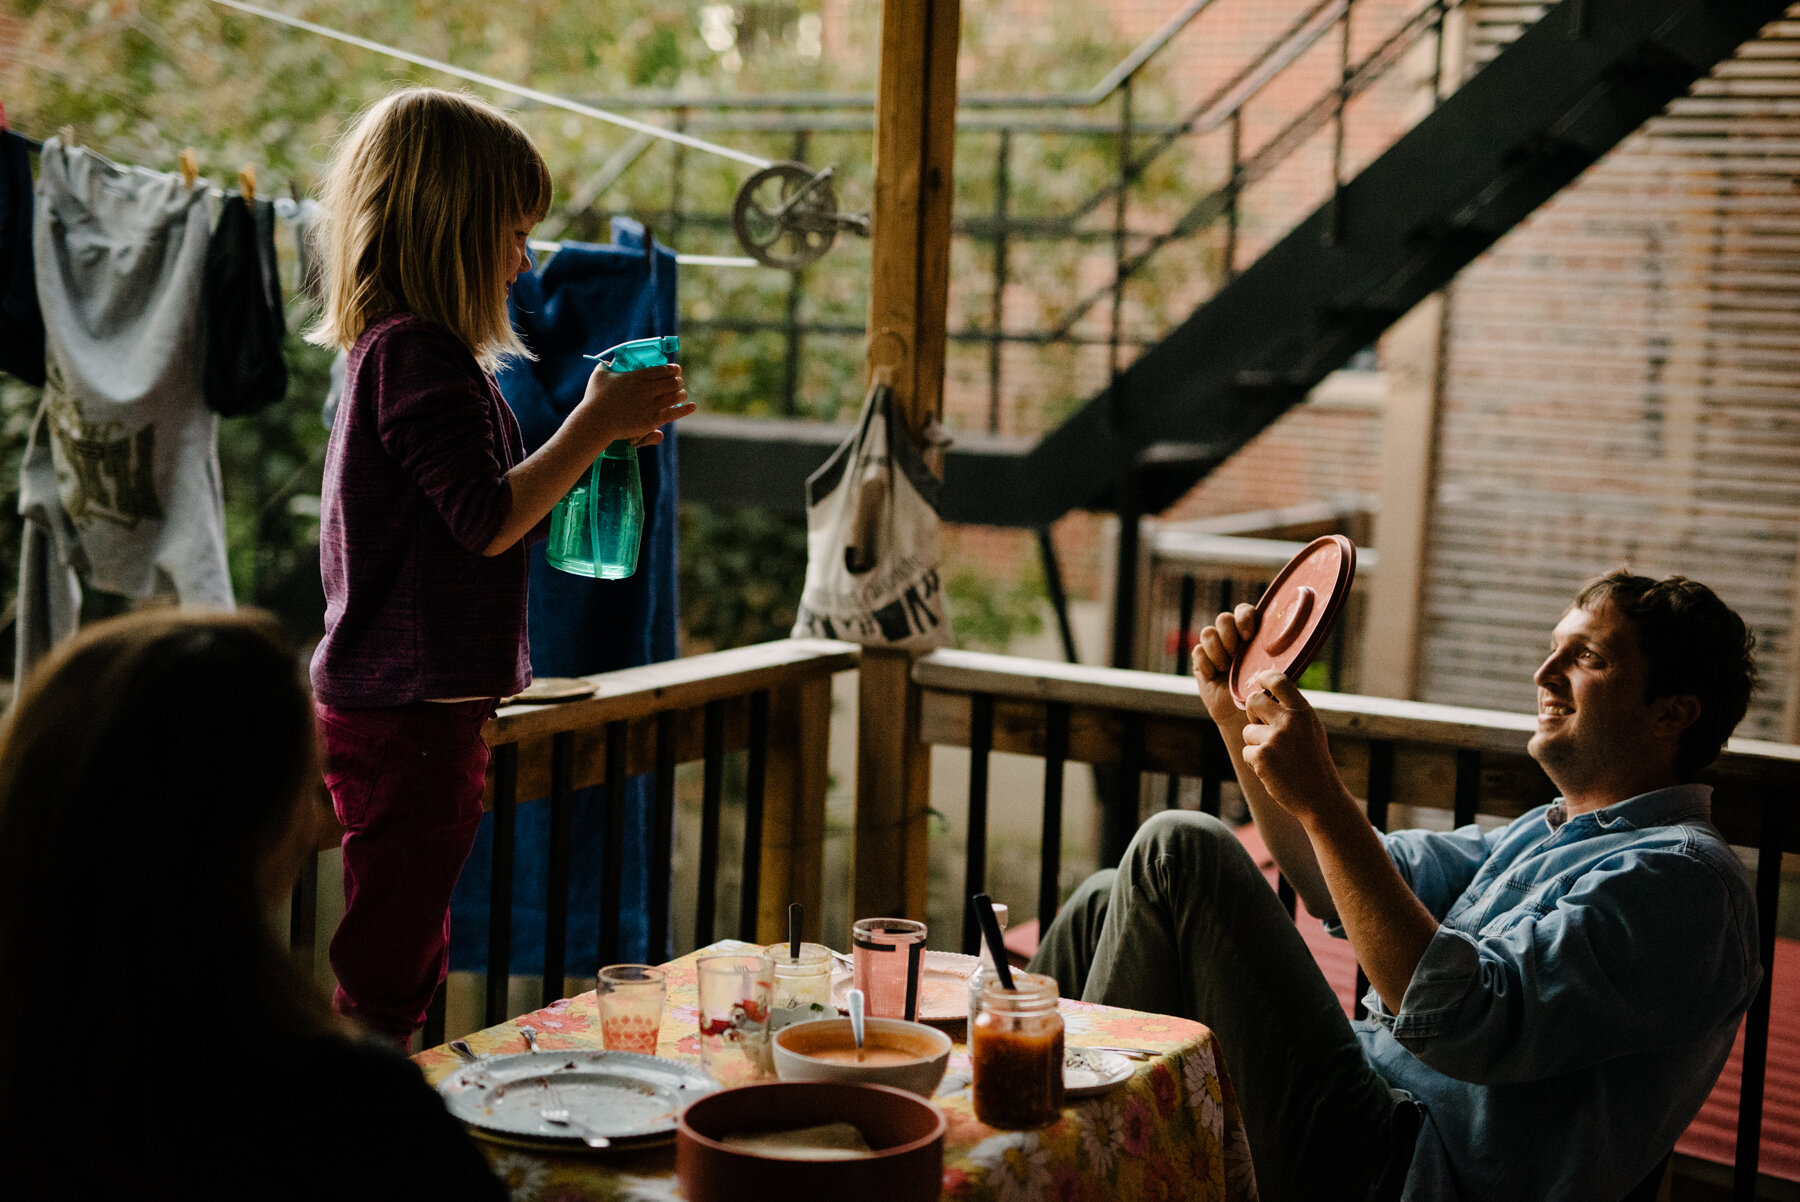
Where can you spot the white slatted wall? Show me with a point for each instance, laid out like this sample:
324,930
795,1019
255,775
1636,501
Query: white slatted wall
1623,386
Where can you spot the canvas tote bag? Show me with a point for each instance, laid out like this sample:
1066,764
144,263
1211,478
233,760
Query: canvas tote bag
872,539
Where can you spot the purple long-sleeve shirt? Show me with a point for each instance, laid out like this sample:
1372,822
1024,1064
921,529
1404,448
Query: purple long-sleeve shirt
415,487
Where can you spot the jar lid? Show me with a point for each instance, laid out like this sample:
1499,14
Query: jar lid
1296,613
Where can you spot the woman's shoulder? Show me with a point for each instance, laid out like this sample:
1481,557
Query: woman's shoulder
373,1124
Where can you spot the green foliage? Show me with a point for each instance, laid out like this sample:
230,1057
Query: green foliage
741,573
988,614
141,80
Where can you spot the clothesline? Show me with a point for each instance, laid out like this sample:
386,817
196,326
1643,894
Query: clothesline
542,246
544,98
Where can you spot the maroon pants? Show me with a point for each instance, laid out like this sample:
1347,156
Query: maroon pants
406,783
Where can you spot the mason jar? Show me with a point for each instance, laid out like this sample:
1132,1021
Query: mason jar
1016,1046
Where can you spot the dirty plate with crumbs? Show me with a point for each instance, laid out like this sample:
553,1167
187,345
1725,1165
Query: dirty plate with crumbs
631,1099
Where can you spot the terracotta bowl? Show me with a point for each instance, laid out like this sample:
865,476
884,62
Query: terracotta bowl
822,1051
906,1132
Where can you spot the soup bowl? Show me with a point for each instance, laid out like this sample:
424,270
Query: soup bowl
909,1056
904,1133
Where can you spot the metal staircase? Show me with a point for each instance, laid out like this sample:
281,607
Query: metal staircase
1571,86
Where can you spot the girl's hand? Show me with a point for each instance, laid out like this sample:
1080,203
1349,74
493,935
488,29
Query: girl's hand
630,406
1219,644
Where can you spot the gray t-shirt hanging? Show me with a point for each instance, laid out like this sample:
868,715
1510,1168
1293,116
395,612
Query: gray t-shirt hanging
123,430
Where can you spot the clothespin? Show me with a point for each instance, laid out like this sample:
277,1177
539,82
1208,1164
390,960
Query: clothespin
190,167
247,183
67,135
2,115
649,247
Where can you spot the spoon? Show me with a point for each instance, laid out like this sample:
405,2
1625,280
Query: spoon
530,1037
856,1021
461,1048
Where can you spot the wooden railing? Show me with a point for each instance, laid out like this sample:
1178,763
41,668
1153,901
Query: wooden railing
772,701
1391,753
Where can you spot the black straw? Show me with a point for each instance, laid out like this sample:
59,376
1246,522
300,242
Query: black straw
796,912
990,931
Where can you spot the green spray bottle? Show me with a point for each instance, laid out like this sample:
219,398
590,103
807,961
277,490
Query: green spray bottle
595,530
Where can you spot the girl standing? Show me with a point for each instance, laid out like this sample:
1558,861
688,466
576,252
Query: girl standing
427,501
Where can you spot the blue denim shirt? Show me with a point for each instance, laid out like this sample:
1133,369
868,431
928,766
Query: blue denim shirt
1578,1001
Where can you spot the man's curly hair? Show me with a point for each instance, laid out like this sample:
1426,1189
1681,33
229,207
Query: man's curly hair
1695,644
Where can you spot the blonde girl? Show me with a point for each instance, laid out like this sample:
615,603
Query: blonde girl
428,498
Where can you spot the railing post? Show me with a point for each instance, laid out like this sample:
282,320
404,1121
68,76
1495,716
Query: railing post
1056,754
556,885
500,881
997,309
1234,193
612,847
1756,1022
1120,201
756,779
790,372
662,837
1334,229
981,742
712,792
793,848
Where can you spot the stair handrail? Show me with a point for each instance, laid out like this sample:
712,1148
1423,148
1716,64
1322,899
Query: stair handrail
1303,34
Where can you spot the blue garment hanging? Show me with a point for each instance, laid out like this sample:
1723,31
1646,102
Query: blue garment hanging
585,299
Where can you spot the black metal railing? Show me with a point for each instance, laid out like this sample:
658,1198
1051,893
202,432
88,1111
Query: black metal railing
1391,752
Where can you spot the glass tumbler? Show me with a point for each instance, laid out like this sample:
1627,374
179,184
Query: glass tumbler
802,984
631,1005
734,1018
889,955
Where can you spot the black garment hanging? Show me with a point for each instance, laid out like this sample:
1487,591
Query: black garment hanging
241,309
21,322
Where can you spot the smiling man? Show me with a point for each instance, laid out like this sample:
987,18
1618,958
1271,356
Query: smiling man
1550,1000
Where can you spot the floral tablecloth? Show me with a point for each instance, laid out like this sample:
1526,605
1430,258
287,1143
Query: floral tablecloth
1172,1131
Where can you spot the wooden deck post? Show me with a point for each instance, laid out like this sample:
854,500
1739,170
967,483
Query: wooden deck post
915,134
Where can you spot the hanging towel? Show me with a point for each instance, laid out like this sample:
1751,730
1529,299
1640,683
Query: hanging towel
21,324
585,299
122,469
241,308
303,217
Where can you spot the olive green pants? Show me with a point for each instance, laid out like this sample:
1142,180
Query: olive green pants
1187,925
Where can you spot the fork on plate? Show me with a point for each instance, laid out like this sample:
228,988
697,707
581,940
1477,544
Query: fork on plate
556,1112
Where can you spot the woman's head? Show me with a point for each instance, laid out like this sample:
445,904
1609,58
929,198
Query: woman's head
158,779
422,198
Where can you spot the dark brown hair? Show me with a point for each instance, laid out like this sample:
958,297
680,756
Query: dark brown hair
152,772
1695,644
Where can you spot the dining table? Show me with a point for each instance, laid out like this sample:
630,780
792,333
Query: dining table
1171,1130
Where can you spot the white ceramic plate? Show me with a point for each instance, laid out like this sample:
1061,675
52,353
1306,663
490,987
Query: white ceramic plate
943,987
1087,1072
621,1095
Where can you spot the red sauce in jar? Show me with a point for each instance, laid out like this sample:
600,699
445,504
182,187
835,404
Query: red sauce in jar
1016,1045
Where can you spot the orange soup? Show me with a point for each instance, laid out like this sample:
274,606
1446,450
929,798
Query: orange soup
872,1055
